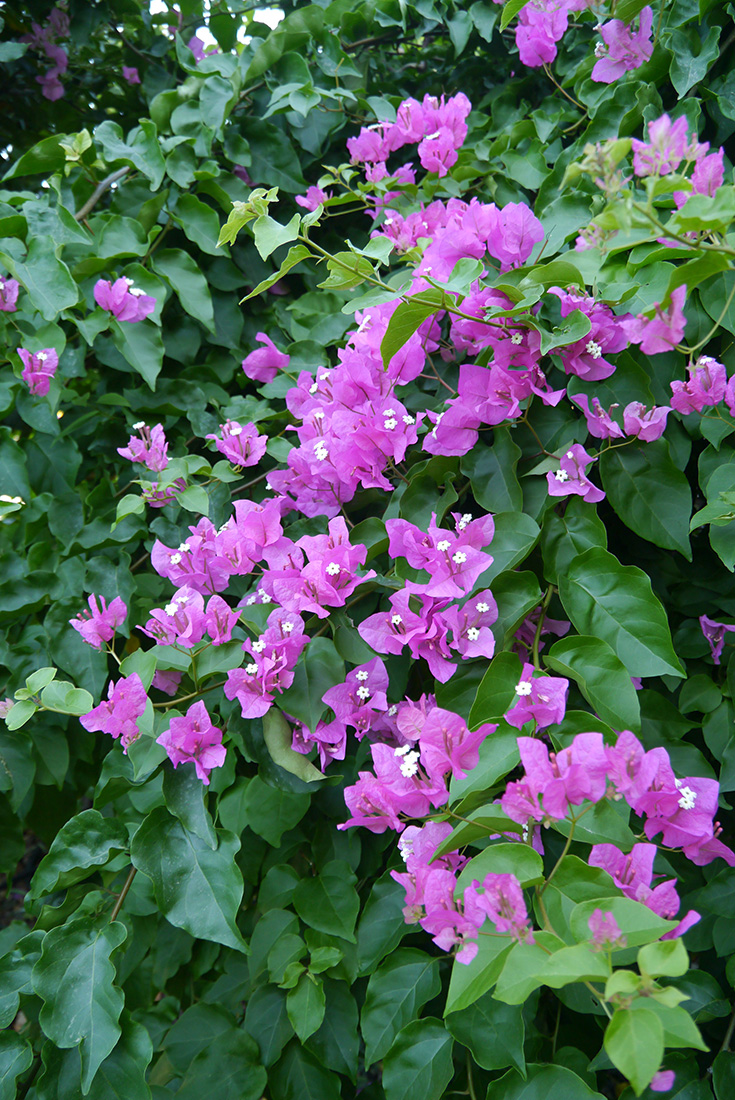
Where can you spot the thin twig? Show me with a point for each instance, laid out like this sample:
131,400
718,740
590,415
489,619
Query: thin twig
99,191
123,894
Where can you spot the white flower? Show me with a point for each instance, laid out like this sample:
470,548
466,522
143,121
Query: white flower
459,558
251,669
235,429
410,764
136,291
561,475
392,710
171,609
361,676
390,424
516,338
41,356
175,559
396,620
594,349
523,687
482,607
286,627
318,414
688,797
250,600
313,387
465,520
321,450
405,847
265,598
332,569
473,633
408,419
139,425
363,693
443,545
259,646
389,412
184,548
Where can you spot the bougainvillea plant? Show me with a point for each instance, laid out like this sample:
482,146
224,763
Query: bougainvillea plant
367,519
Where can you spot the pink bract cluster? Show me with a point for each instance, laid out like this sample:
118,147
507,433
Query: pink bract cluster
47,39
124,300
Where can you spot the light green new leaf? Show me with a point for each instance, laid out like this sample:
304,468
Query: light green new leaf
305,1005
278,737
634,1043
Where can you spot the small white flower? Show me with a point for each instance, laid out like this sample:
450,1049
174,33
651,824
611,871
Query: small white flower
390,424
389,412
313,387
286,627
401,750
516,338
405,847
318,414
332,569
321,450
236,429
594,349
171,609
600,49
392,710
128,281
465,521
561,475
688,797
265,598
459,558
523,687
363,693
251,669
408,419
250,600
175,559
41,356
136,291
431,137
139,425
184,548
259,646
473,634
396,620
361,676
482,607
570,454
410,765
443,545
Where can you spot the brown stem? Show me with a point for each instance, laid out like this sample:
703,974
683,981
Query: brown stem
99,191
123,894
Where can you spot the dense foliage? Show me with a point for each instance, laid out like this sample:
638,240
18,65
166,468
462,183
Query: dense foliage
368,531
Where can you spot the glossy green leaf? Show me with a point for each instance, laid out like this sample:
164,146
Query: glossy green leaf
395,994
329,902
602,678
634,1043
492,1031
419,1064
86,842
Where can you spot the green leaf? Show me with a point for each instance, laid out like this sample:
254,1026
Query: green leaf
336,1044
319,669
270,234
16,1056
523,966
572,328
273,160
574,964
122,1074
650,494
668,957
543,1082
86,841
516,594
47,279
691,57
141,345
381,927
200,1027
199,222
294,256
419,1064
46,156
498,756
64,698
184,795
232,1062
497,690
602,678
278,736
634,1043
408,316
509,12
305,1005
298,1076
492,1031
564,537
187,280
39,679
270,812
395,994
329,901
141,150
492,471
74,978
516,534
266,1021
470,981
346,271
504,858
20,713
637,922
607,600
196,888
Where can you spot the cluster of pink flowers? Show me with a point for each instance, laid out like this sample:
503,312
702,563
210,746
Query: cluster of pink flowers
149,447
622,48
124,300
47,38
118,714
438,126
240,443
99,624
192,737
39,367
